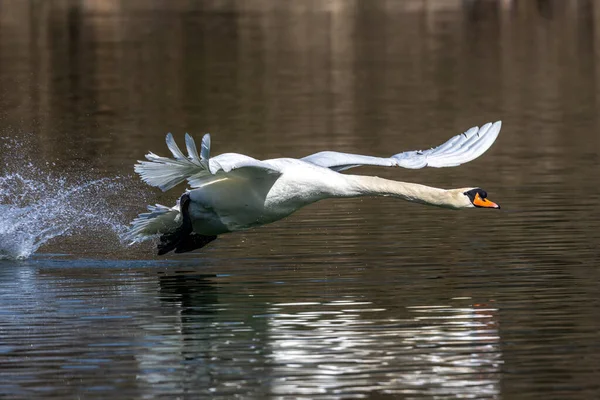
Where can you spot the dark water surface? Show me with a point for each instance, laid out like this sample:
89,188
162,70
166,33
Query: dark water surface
365,298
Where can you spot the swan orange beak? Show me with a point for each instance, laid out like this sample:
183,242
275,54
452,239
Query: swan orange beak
479,202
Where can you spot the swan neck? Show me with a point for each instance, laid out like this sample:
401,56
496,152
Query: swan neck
413,192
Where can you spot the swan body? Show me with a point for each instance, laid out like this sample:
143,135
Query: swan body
233,192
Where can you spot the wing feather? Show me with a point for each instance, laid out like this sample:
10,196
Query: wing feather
165,173
457,150
192,150
175,150
205,148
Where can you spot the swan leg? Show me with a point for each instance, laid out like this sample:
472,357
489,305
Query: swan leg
183,239
193,242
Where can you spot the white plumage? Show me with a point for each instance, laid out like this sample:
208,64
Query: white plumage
233,192
458,150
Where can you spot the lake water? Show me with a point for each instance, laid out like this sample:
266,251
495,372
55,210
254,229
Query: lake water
361,298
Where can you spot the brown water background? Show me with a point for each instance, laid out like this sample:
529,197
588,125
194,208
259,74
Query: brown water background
365,298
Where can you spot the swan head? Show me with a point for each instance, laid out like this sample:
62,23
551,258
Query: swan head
475,197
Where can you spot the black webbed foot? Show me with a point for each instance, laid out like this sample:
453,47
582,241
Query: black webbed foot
183,239
168,242
192,242
182,244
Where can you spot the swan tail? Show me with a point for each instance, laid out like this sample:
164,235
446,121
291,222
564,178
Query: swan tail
166,173
158,220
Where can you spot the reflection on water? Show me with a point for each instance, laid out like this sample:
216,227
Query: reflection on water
222,327
443,350
353,298
206,334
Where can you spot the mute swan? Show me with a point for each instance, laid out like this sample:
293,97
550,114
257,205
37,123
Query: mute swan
233,192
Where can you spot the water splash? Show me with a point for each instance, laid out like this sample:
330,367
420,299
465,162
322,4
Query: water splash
37,206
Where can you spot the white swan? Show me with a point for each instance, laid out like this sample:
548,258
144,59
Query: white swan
232,192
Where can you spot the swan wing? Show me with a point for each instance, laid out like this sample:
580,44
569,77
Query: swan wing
228,162
165,172
159,219
458,150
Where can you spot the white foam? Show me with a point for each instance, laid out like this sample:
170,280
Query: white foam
37,205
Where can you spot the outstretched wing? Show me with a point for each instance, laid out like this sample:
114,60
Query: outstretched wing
165,172
458,150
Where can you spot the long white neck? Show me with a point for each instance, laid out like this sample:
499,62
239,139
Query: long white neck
359,185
